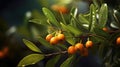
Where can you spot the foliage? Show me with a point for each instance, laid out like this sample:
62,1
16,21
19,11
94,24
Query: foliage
80,28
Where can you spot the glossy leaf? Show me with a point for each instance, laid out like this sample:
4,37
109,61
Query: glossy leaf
67,62
74,11
69,38
71,29
103,15
74,30
92,17
53,61
38,21
114,25
83,20
50,17
63,19
31,46
30,59
45,43
116,16
73,22
79,25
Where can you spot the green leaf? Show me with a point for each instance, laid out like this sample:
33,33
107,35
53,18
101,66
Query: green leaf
38,21
116,16
73,22
51,17
69,38
101,33
31,46
96,3
63,19
114,25
45,43
53,61
71,29
67,62
74,11
30,59
74,30
83,20
92,18
103,15
79,25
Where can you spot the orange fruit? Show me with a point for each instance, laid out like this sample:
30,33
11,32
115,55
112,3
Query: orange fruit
118,41
54,40
89,44
1,54
71,50
63,9
48,37
4,52
79,46
61,36
84,52
105,29
59,8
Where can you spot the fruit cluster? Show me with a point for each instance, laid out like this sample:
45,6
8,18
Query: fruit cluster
83,49
55,39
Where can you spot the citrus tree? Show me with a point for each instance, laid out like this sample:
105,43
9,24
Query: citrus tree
76,37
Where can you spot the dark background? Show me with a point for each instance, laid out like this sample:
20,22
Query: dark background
13,11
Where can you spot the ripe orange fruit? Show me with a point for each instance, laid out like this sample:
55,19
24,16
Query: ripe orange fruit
79,46
61,36
54,40
118,41
84,52
48,37
89,44
4,52
1,54
59,8
71,50
63,9
105,29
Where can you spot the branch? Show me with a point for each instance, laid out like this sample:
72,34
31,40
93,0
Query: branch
61,52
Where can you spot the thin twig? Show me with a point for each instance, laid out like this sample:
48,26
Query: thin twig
61,52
